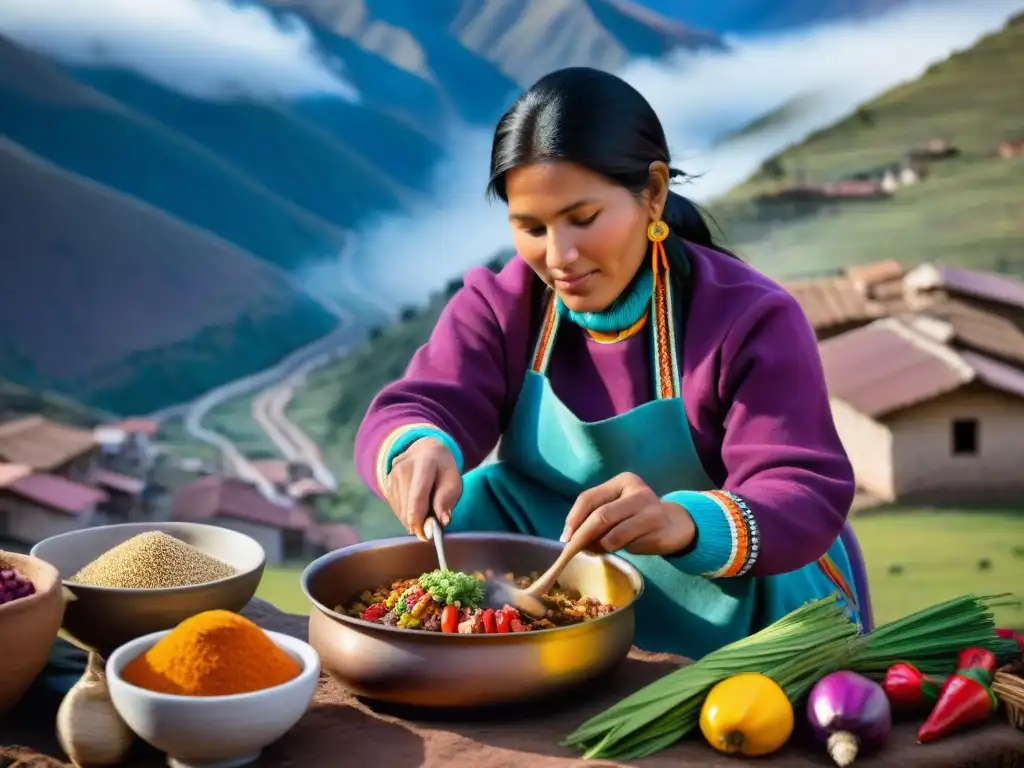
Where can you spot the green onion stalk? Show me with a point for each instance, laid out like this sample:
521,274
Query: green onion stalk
796,652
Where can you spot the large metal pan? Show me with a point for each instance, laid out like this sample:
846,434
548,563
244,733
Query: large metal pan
429,669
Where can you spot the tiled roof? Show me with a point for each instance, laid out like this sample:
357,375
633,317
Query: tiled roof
115,481
57,493
9,473
42,444
275,470
215,496
138,426
306,487
888,366
831,302
866,276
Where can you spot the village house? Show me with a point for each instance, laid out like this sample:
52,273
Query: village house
58,485
129,442
286,533
921,421
34,507
1008,149
858,296
935,149
293,479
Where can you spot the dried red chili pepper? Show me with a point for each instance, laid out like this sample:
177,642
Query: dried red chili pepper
977,658
963,701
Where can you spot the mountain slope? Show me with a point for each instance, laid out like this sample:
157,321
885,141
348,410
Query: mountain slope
308,166
529,38
966,211
761,16
114,303
93,136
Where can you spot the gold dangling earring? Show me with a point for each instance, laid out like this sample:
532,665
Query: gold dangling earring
657,232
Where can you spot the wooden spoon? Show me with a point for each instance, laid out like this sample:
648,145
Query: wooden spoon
498,594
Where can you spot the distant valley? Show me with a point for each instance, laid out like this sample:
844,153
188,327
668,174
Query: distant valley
154,232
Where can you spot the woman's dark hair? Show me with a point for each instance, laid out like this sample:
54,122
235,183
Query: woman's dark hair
600,122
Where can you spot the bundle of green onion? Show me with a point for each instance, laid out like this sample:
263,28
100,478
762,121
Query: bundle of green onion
796,652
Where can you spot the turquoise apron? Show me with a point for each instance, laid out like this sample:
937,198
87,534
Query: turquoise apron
548,456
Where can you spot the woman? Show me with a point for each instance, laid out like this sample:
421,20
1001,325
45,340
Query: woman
644,383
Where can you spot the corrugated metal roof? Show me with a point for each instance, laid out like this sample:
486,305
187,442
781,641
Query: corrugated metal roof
42,444
57,493
968,282
888,366
879,369
984,332
997,375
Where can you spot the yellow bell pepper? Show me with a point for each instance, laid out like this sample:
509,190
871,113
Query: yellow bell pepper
748,714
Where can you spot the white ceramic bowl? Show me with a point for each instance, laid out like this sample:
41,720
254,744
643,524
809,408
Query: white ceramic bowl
213,731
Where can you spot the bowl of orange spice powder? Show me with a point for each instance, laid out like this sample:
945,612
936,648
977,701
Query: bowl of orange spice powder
213,691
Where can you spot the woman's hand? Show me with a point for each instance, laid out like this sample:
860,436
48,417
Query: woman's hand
424,478
624,513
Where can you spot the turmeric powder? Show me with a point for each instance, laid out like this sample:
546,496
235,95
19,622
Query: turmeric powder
216,653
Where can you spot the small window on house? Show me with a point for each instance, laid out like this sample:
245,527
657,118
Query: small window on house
965,437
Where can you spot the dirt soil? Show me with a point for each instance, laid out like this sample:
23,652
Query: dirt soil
339,725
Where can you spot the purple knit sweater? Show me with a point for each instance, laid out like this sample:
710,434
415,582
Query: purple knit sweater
752,384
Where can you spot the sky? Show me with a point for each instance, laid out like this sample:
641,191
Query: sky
194,47
198,45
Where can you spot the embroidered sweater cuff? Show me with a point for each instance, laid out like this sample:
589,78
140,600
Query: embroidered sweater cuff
399,441
727,543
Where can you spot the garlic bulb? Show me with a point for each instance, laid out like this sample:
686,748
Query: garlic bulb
88,727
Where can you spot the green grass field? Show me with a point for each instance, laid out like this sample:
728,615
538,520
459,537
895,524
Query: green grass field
939,552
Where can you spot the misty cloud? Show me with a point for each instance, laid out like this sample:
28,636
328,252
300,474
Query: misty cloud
833,68
699,98
205,48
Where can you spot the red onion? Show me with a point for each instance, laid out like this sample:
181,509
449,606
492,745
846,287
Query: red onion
849,714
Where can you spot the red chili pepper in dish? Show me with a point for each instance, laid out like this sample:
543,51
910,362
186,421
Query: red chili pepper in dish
490,626
963,701
450,619
910,690
1005,634
374,612
976,658
503,618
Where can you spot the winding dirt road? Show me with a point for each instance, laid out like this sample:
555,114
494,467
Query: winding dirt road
268,411
277,384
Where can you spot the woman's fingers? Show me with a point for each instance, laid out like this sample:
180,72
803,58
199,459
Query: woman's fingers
417,501
587,502
632,526
447,491
605,519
